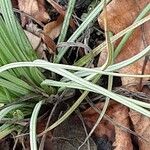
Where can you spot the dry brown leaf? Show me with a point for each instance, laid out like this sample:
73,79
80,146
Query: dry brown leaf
119,113
33,33
142,127
49,43
53,28
36,43
105,128
62,12
122,138
121,15
34,40
35,8
59,8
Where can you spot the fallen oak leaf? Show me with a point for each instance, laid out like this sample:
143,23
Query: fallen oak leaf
52,29
35,8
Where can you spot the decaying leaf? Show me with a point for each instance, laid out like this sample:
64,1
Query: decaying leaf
49,43
62,12
69,136
142,127
53,28
121,15
34,40
35,8
39,40
121,139
105,128
36,43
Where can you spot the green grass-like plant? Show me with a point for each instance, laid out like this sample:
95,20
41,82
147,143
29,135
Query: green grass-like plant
20,72
16,83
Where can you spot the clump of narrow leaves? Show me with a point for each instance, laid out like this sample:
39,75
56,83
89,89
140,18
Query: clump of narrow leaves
16,83
20,76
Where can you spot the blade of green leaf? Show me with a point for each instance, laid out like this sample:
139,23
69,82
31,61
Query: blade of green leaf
81,28
6,110
33,122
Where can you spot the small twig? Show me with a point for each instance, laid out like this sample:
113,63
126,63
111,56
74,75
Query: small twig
23,144
77,18
41,147
85,129
21,135
74,44
15,144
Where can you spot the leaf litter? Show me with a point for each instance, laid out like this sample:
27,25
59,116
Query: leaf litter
121,15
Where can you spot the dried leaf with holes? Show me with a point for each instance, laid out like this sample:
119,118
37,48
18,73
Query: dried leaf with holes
35,8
